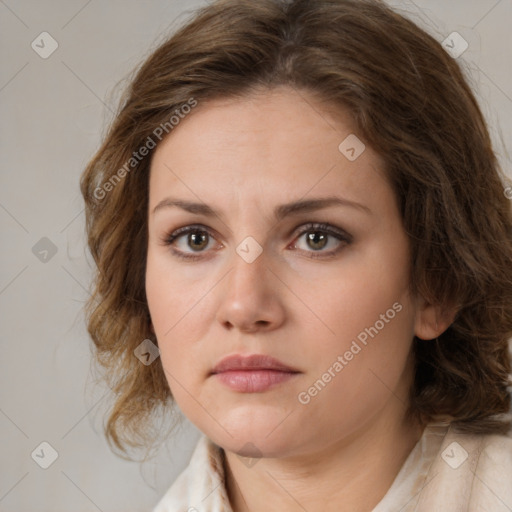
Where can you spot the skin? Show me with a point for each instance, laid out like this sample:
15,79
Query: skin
244,157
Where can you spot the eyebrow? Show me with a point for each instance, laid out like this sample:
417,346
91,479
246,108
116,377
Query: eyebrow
280,212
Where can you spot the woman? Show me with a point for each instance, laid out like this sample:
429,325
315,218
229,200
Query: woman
299,205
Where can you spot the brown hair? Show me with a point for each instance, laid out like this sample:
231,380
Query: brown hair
409,101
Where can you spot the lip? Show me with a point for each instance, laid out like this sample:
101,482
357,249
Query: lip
252,362
252,374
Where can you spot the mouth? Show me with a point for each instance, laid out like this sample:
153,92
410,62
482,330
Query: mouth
252,374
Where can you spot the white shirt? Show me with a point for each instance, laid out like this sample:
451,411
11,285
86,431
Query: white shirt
445,472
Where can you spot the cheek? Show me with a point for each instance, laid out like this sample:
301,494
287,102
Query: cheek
365,366
374,342
353,300
161,297
177,307
364,314
168,293
162,293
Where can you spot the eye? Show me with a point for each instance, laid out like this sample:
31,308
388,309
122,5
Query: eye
198,238
318,237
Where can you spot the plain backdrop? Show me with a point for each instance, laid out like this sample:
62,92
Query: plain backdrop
53,113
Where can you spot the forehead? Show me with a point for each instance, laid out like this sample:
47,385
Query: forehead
281,142
278,118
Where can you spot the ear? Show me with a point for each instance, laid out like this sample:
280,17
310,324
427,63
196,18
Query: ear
432,319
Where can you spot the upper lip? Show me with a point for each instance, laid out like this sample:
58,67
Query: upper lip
252,362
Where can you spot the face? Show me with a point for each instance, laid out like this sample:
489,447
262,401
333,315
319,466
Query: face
322,287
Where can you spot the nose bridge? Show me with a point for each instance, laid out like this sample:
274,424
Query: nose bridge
250,298
249,273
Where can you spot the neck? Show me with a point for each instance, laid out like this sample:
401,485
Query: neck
355,472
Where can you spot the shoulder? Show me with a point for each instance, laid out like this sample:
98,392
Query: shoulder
471,472
492,485
200,487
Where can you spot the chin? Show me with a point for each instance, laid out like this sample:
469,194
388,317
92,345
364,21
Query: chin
254,435
256,448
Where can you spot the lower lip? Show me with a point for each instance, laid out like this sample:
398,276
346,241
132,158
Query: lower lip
253,381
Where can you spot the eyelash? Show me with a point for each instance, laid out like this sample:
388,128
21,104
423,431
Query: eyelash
326,229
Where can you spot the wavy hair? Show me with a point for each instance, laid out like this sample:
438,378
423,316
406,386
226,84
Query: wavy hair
409,100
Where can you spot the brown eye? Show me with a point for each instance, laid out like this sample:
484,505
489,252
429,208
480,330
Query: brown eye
317,237
317,240
320,236
195,241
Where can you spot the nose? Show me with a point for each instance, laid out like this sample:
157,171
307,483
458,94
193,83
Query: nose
251,296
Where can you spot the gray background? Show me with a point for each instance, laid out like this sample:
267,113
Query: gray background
53,113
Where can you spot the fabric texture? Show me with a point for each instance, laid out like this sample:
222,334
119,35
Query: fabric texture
446,471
